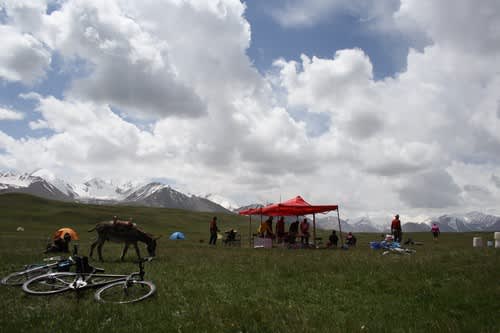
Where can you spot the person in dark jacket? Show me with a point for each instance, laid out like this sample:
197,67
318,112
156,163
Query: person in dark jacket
213,231
60,244
333,239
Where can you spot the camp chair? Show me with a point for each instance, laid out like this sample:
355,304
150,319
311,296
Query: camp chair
232,238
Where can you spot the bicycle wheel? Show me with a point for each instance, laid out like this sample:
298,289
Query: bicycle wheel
49,283
123,292
18,278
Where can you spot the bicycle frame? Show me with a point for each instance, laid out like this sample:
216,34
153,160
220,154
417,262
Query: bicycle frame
83,280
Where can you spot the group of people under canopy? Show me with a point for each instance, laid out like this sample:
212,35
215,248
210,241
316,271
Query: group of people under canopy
293,207
296,230
266,230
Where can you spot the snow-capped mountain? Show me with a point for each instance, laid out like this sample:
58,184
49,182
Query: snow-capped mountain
44,184
161,195
60,184
99,189
221,200
473,221
251,206
362,224
31,184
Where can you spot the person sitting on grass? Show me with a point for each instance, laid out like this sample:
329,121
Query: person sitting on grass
59,244
333,239
350,239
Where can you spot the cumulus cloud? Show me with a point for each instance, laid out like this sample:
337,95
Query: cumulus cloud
430,189
23,58
7,114
296,13
477,192
168,91
496,180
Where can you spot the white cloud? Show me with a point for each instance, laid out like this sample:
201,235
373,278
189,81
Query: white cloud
297,13
425,140
38,124
7,114
23,57
431,189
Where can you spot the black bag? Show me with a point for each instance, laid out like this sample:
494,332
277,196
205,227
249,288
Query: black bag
82,265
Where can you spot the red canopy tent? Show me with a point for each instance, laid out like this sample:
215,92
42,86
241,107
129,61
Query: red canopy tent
293,207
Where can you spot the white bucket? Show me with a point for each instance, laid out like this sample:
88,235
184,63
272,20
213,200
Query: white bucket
497,244
497,236
477,242
489,243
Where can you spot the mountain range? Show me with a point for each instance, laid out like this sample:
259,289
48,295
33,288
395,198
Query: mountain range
97,191
469,222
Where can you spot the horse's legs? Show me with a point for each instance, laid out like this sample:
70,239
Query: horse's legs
137,250
124,252
99,250
92,247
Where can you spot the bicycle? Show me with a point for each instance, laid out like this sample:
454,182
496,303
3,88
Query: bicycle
58,264
114,288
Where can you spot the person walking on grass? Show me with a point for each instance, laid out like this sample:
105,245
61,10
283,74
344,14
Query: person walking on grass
435,231
213,231
396,230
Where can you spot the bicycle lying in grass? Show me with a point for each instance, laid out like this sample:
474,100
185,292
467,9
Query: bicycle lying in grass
114,288
53,264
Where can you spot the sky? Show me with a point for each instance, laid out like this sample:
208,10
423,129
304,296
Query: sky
381,107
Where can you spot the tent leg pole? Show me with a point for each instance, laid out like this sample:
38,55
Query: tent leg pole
340,229
250,231
314,230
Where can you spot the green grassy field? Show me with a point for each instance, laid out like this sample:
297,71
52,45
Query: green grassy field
444,287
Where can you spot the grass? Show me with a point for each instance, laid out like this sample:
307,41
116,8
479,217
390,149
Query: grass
446,286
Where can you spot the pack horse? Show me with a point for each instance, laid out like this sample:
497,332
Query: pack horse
122,232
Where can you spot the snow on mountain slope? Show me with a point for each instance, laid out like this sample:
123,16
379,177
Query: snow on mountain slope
59,183
11,179
144,191
222,201
100,189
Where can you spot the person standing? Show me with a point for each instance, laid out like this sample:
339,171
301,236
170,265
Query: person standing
269,228
396,230
213,231
435,231
280,229
293,231
304,230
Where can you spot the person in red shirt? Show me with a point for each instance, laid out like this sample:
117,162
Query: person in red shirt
396,230
435,231
280,229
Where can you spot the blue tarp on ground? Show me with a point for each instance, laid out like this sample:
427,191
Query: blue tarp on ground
177,235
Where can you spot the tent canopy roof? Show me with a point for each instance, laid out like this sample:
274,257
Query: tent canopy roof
293,207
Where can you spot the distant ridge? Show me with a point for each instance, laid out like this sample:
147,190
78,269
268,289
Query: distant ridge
98,191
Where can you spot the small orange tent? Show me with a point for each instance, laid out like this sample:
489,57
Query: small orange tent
61,232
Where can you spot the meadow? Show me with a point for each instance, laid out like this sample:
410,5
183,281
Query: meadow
446,286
